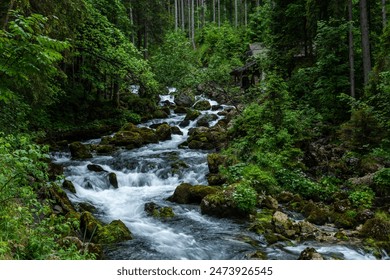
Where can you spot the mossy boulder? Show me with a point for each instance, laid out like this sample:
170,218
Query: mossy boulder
152,209
262,222
83,247
206,119
54,170
377,228
187,193
60,198
214,161
160,114
222,204
283,225
112,233
207,138
176,130
80,151
202,105
192,115
216,179
185,99
131,136
164,132
104,149
68,185
310,254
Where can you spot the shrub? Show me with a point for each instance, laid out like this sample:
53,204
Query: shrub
362,197
245,197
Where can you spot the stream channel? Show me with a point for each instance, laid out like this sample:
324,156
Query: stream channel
145,175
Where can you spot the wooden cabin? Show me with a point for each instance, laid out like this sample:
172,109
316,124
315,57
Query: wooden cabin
250,73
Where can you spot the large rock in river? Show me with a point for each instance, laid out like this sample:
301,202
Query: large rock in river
112,233
79,151
207,138
187,193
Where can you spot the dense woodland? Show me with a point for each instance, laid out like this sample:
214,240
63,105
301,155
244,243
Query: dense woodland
314,123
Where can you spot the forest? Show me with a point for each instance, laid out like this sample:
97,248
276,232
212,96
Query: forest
306,85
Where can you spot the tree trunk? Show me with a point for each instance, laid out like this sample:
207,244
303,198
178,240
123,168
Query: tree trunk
365,40
11,6
351,50
236,13
214,17
219,12
182,16
176,18
193,23
384,17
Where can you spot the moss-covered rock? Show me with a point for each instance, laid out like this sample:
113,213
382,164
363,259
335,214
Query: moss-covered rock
216,179
187,193
214,161
262,222
202,105
164,132
60,198
206,119
377,228
185,99
68,185
160,114
95,231
132,136
283,225
80,151
54,170
207,138
192,115
222,204
152,209
310,254
176,130
258,255
104,149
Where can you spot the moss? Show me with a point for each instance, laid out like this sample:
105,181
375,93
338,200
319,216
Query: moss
377,228
152,209
202,105
262,222
191,115
68,185
95,231
187,194
80,151
164,132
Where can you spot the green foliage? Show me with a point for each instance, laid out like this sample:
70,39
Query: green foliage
245,197
298,182
362,197
382,181
28,229
28,60
175,62
322,84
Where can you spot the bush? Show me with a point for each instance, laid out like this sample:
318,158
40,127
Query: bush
29,229
362,197
382,181
245,197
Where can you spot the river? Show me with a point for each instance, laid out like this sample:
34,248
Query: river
146,175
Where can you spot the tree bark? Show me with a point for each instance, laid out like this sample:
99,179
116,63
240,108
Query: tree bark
176,18
11,6
384,16
351,50
365,40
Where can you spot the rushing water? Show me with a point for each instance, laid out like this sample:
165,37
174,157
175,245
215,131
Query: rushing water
146,175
